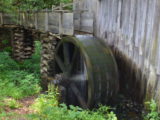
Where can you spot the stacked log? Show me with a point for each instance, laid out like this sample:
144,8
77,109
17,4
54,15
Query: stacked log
49,42
23,48
28,44
22,44
17,43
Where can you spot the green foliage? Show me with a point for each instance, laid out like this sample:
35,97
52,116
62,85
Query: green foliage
11,103
18,84
5,42
6,6
8,49
46,100
19,80
6,63
152,111
33,65
6,116
47,108
14,5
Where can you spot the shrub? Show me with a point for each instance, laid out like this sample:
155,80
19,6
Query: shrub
47,108
19,80
152,111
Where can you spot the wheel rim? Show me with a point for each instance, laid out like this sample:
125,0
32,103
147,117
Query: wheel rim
88,69
73,72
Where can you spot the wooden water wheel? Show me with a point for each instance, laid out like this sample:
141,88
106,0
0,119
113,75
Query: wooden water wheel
88,71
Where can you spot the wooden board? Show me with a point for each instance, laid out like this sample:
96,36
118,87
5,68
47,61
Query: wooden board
67,24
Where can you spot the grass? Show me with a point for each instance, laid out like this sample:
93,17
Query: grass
18,80
151,109
47,108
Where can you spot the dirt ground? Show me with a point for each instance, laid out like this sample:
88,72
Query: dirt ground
21,111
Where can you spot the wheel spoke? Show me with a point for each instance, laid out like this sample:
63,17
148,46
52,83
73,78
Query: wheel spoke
78,95
66,54
60,63
74,54
73,58
78,77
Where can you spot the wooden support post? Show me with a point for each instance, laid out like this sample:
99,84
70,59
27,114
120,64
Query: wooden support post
20,18
53,6
61,19
1,18
23,17
46,20
36,20
158,54
27,19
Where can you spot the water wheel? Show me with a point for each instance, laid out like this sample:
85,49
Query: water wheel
87,71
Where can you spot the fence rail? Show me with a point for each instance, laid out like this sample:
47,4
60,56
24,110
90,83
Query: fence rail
43,20
57,20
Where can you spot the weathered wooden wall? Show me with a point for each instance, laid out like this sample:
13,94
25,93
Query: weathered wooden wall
83,17
44,21
132,28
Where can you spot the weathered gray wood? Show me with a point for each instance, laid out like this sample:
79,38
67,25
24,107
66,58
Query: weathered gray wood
57,21
20,18
67,24
41,21
157,96
9,19
60,19
23,18
36,21
1,18
131,26
31,20
46,21
86,22
158,53
53,22
83,20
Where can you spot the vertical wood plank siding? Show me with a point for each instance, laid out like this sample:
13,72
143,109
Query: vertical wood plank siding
132,27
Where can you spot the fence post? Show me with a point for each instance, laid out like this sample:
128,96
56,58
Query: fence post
46,20
60,18
1,17
18,18
36,20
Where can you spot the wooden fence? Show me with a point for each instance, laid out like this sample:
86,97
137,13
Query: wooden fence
58,22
